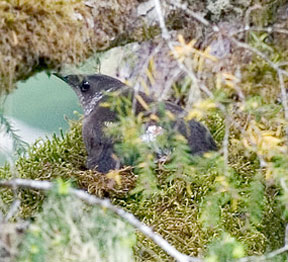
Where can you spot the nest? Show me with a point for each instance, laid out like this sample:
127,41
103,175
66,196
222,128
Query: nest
173,211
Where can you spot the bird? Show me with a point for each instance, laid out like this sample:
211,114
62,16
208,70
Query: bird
93,89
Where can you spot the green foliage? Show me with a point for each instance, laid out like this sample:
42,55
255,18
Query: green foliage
68,230
190,201
256,200
220,205
129,147
53,159
62,157
227,249
19,146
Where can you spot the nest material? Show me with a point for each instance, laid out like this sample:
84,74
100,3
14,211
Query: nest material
114,184
173,211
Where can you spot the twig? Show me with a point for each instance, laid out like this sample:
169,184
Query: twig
196,16
181,65
286,236
268,30
248,12
231,35
226,144
276,67
161,18
283,94
257,52
105,203
247,17
243,45
265,257
12,210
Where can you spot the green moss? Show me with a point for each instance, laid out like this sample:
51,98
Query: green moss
47,34
193,207
61,157
176,210
69,230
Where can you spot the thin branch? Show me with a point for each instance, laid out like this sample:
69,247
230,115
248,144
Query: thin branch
247,17
283,94
181,65
226,144
243,45
206,23
265,257
257,52
131,219
276,67
286,236
161,18
196,16
105,203
268,30
13,209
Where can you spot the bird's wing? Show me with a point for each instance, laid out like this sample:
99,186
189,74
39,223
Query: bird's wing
99,146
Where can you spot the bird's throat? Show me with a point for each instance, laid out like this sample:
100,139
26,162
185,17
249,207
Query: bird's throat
89,105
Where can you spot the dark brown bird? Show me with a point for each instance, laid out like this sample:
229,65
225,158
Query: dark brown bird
91,89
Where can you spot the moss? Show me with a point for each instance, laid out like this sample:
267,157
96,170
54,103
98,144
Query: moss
66,223
47,34
189,209
175,211
61,157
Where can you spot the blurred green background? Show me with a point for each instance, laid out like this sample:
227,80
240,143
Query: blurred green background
37,108
41,102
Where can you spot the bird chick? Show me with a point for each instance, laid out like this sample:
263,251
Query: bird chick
93,89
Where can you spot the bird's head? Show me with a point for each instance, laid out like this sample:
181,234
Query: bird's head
90,89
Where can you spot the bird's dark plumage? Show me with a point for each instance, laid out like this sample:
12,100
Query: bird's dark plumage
91,89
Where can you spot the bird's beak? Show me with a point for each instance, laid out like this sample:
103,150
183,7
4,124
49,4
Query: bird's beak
64,78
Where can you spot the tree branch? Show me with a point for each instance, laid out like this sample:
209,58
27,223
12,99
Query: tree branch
105,203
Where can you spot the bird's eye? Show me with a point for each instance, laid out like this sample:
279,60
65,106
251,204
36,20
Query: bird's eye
84,86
